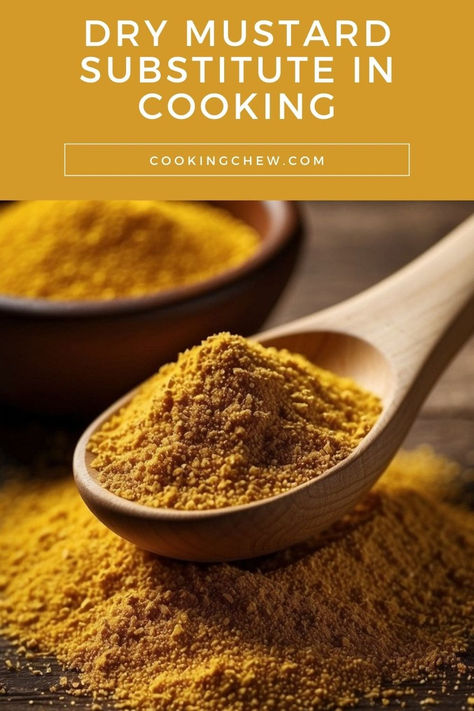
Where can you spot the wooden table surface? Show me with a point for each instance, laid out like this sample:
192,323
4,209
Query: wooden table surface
349,247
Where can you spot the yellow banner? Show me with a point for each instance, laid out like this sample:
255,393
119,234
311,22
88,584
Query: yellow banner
344,100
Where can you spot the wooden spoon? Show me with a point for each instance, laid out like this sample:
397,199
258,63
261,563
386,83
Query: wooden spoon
394,339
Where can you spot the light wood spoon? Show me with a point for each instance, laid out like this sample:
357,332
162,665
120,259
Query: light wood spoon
394,339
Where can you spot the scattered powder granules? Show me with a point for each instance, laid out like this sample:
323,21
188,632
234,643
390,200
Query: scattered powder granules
386,595
95,249
230,422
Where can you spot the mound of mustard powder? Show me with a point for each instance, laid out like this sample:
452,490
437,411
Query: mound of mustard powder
229,423
94,250
383,597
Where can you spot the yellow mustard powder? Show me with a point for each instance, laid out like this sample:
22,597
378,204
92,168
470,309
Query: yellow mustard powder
229,423
94,249
386,595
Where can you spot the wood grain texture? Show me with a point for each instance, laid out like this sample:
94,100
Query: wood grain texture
352,246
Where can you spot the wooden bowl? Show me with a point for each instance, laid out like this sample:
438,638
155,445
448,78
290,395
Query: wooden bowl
67,358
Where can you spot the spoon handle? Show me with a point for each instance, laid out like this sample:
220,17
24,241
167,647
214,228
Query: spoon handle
429,300
418,318
426,307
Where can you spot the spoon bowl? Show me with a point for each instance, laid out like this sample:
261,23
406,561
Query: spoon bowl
342,353
394,339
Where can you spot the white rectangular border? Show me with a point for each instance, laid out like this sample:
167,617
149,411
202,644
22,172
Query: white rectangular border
235,175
